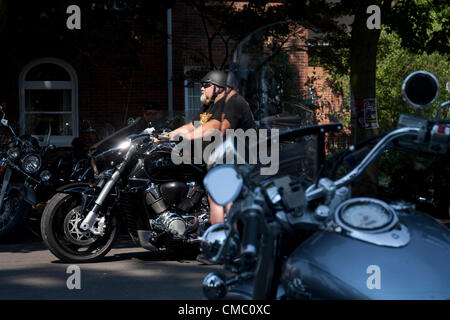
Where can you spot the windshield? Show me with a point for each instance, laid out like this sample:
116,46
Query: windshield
113,141
269,65
272,70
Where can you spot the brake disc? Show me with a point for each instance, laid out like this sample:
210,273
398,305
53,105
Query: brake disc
72,228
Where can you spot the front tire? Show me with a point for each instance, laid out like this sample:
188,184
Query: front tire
59,228
13,215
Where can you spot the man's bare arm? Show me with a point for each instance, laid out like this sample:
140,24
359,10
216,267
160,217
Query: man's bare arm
188,127
204,130
225,125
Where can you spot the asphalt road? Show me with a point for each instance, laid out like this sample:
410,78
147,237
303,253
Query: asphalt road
29,271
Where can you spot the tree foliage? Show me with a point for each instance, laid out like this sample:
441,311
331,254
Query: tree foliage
394,64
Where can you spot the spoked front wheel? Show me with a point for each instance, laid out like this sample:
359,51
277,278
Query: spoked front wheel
60,228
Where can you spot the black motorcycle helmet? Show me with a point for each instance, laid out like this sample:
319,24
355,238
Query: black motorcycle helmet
232,82
216,77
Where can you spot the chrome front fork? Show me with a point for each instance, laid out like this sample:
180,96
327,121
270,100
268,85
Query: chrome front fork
92,216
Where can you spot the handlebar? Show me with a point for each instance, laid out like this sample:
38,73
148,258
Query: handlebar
438,110
373,155
163,137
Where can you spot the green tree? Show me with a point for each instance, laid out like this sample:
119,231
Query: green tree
422,26
394,64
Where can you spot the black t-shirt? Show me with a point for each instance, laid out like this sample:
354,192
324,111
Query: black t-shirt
207,113
210,112
238,113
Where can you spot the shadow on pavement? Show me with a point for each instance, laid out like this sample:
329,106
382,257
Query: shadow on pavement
139,254
162,255
134,280
123,274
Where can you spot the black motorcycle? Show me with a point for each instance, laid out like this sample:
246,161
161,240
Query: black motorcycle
162,205
24,178
286,238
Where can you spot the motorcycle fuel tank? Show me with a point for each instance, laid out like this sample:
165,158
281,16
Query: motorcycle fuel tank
159,167
333,266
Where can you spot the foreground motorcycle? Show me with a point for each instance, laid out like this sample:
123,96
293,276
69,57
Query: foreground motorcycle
162,205
23,179
288,239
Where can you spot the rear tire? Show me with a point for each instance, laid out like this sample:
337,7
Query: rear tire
65,240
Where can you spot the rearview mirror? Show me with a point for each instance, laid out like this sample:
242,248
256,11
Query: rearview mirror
223,183
420,89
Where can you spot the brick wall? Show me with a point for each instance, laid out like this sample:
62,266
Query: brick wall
328,100
105,101
104,98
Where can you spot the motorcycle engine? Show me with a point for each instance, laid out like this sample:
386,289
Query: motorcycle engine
172,202
172,222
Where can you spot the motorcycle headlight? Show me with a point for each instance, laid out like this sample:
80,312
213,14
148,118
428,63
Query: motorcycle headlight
125,145
13,153
223,183
45,175
31,163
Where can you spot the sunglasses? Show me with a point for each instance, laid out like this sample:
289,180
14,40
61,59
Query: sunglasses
206,84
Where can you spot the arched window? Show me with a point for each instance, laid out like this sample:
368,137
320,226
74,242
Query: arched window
49,100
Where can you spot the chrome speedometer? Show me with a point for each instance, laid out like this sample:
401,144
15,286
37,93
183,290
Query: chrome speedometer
365,214
372,221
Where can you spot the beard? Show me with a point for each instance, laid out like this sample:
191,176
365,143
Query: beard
204,99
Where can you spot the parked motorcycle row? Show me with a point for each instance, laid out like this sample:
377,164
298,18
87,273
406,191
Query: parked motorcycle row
27,178
299,234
